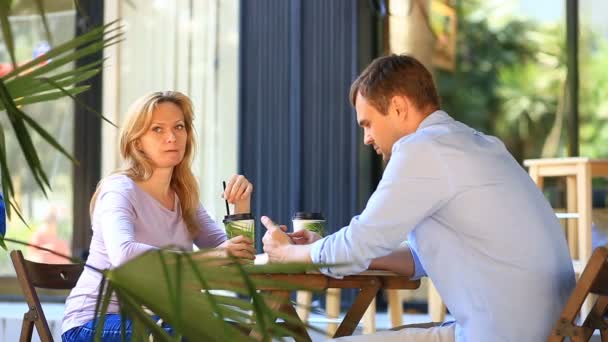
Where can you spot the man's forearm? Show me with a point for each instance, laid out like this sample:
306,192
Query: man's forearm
399,261
298,253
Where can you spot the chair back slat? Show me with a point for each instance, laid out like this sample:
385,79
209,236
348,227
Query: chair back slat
32,275
50,276
600,283
593,280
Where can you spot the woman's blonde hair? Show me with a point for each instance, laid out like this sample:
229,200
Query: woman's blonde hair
139,168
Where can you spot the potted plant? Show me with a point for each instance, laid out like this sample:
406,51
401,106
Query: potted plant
182,294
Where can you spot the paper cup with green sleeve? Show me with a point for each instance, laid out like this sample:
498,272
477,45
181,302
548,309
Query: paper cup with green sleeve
240,224
314,222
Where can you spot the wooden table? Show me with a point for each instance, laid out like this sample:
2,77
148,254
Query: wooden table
369,283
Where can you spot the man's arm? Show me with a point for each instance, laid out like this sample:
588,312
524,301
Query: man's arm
399,261
414,185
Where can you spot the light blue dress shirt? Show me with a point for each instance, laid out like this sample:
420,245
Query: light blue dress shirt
477,226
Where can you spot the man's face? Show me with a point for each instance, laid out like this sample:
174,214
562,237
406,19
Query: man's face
380,130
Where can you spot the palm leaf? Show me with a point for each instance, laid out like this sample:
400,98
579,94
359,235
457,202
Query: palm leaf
49,96
45,23
177,297
7,31
23,137
30,83
94,35
82,104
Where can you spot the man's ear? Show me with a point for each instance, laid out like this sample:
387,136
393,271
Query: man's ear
401,105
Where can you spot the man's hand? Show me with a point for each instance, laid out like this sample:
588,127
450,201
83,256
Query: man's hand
279,246
276,242
304,237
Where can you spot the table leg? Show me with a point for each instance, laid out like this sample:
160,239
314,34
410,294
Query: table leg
395,307
298,327
279,301
332,307
436,306
572,207
353,316
369,318
584,204
535,175
304,300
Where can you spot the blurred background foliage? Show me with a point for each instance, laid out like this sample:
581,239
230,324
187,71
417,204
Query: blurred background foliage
510,81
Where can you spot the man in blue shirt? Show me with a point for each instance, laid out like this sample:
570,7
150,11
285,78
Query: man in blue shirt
475,222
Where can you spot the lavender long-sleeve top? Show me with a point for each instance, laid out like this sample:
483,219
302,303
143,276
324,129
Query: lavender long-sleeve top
126,222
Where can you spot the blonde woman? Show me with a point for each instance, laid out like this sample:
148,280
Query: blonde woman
152,202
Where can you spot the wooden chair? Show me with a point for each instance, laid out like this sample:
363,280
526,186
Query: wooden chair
32,275
593,280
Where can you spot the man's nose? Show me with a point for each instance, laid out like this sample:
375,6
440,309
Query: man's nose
367,139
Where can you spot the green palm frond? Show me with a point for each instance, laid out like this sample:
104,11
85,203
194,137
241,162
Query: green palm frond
45,79
177,287
7,32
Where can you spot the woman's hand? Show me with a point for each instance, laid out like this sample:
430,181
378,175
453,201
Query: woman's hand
304,237
238,192
240,247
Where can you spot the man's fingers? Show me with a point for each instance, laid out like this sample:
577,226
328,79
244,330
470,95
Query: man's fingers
298,234
268,223
283,228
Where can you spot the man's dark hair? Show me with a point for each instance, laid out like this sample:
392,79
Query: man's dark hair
394,75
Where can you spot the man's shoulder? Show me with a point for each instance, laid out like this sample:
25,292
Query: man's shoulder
418,141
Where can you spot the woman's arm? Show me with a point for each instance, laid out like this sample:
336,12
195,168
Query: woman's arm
115,215
211,234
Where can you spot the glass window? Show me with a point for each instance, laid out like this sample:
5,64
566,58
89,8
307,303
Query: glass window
593,78
49,219
188,46
510,73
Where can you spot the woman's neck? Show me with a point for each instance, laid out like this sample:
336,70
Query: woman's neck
159,186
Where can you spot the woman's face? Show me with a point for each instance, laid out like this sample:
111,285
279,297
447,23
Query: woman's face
164,143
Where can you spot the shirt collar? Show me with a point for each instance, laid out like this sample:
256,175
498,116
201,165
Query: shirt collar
436,117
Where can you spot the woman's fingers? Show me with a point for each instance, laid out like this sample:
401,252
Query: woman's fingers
229,187
240,185
243,253
238,188
241,239
247,191
242,246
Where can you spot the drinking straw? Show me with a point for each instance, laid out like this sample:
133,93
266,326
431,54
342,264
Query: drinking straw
227,208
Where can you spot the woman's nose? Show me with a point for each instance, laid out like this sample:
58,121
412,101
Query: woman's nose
171,136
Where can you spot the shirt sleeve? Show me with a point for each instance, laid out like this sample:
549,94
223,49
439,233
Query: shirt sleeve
211,234
413,187
419,270
116,215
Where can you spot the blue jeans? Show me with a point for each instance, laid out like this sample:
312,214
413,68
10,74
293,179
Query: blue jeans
110,332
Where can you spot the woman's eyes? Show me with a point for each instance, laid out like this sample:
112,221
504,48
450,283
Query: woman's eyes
159,129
